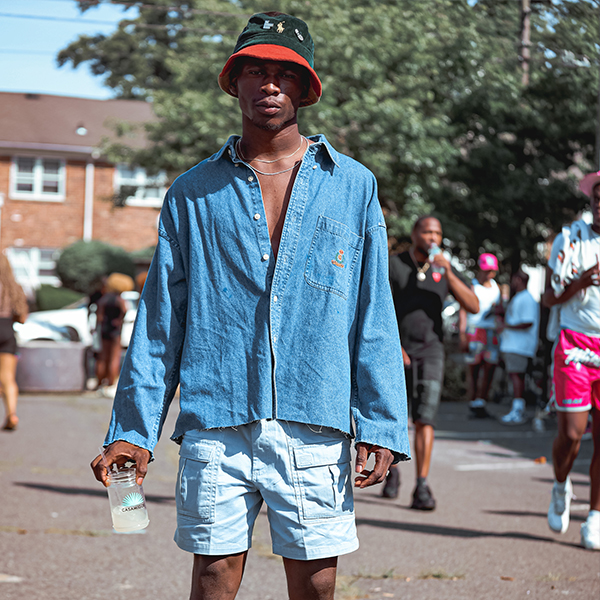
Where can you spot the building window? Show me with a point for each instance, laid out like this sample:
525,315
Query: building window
33,267
134,187
36,178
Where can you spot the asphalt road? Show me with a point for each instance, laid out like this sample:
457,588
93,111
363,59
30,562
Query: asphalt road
488,537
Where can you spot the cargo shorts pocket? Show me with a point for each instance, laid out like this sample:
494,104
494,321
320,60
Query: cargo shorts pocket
322,480
197,479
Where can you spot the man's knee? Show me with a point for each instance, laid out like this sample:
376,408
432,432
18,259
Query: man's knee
311,579
217,577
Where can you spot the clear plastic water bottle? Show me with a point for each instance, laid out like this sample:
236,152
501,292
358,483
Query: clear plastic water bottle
434,250
127,501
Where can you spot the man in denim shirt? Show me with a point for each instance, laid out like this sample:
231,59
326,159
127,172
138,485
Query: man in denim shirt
268,302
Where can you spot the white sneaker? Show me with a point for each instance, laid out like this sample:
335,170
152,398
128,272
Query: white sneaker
560,505
538,425
109,391
590,531
516,416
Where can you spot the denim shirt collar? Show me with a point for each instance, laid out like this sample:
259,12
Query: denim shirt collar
320,144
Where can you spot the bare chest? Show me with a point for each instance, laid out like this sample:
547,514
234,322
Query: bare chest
276,193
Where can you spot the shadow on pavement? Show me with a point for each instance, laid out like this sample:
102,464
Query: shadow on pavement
528,513
458,532
73,491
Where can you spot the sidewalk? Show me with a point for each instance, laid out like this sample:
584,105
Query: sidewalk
487,539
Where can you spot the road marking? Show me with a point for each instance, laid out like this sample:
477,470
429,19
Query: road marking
498,466
4,578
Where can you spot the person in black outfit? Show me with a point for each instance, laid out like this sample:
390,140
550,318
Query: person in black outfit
420,286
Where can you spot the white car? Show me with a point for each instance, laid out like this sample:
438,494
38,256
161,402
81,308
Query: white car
75,320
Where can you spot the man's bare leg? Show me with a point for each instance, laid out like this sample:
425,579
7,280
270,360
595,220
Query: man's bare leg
311,579
217,577
571,427
595,464
424,435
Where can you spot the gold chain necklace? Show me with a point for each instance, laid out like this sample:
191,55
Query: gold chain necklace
420,270
237,150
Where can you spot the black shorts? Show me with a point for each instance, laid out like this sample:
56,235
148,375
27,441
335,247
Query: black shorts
8,343
424,381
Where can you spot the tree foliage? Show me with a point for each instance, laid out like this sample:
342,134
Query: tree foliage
426,94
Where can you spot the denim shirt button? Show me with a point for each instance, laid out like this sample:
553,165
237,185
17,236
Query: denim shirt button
275,298
265,257
314,167
256,217
274,339
251,178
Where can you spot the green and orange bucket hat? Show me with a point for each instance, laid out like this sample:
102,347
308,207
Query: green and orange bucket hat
281,38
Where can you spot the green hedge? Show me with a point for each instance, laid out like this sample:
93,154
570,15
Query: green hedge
48,297
82,265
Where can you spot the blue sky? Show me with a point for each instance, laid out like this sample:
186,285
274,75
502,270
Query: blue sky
28,46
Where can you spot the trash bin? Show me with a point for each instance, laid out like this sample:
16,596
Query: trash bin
46,366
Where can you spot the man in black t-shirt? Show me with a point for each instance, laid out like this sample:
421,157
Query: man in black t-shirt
420,283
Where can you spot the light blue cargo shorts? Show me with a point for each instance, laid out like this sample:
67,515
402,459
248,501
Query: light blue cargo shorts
302,473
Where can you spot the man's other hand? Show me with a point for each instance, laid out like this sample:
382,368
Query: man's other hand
119,453
383,460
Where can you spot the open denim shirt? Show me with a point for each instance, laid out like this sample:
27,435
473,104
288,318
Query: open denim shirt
309,337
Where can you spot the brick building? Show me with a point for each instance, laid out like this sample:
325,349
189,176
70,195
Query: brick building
57,188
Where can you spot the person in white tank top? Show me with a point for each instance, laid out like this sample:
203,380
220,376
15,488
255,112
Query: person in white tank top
478,335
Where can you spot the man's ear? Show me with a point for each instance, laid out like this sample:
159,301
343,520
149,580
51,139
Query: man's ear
233,88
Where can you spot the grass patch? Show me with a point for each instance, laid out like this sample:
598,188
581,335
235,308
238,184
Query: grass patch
440,574
345,588
389,574
553,577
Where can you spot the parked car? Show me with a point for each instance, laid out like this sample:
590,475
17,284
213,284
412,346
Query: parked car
33,331
78,320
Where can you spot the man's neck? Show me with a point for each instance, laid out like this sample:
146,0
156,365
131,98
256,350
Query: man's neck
420,255
269,145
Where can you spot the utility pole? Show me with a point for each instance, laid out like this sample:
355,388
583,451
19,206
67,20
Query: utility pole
525,54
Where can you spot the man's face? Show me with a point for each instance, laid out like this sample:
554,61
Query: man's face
517,283
427,233
487,275
269,92
595,205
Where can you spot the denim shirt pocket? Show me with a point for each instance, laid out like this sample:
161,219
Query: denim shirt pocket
197,479
322,480
333,254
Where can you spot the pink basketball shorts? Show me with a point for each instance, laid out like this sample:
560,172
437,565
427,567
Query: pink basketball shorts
576,372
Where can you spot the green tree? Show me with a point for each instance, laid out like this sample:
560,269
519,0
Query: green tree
427,94
523,149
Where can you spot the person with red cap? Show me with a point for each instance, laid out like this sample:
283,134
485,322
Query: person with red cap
268,303
574,288
478,335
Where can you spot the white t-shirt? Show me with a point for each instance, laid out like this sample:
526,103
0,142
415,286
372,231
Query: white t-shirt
521,309
488,297
582,312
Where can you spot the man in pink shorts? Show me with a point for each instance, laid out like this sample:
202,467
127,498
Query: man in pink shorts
574,288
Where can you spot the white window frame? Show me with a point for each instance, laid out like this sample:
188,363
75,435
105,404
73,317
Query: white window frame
141,179
38,194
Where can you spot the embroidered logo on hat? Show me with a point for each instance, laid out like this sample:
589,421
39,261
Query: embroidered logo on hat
299,35
267,25
280,27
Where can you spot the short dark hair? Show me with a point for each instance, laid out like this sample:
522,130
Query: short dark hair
420,220
522,276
